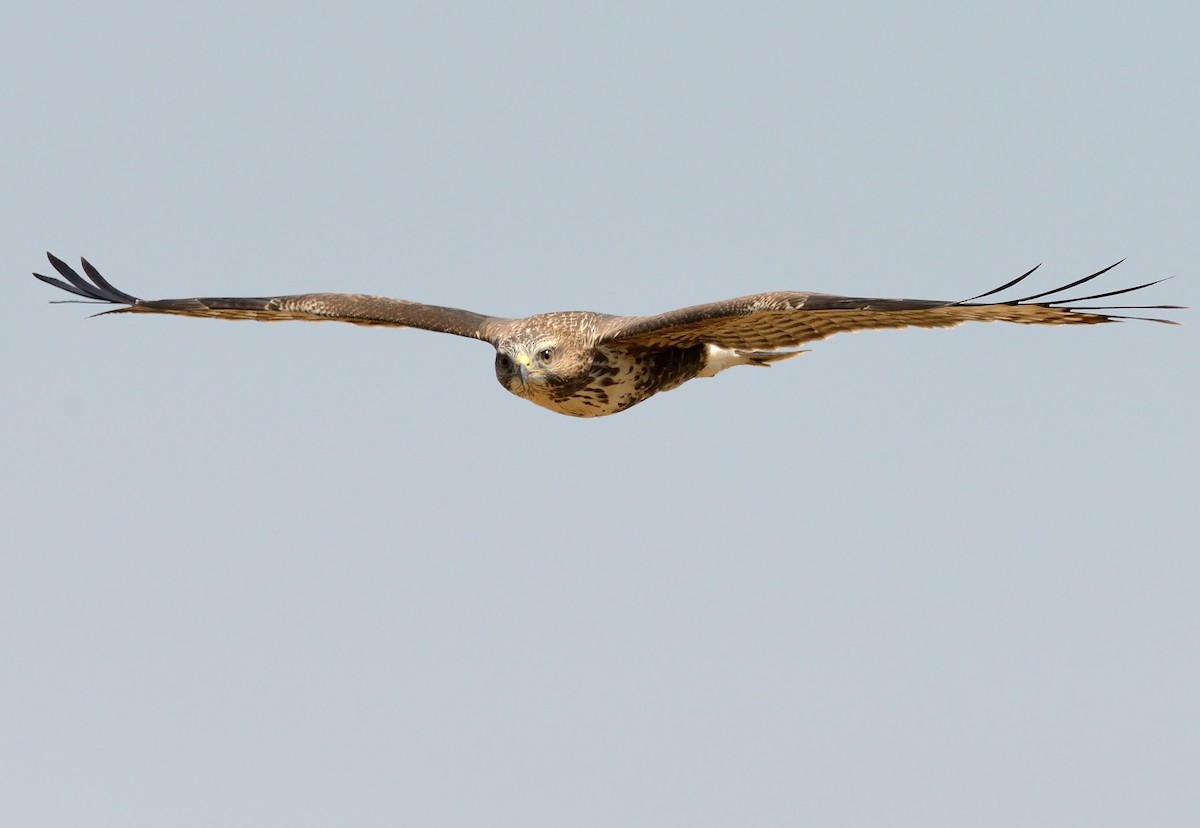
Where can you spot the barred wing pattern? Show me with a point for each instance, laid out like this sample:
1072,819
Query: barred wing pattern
762,322
766,321
337,307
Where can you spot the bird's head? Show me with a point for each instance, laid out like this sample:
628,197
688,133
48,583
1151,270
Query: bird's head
540,367
537,369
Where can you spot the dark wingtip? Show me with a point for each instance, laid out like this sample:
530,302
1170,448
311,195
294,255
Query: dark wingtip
1004,286
61,285
1076,283
98,288
1117,318
1071,304
82,286
101,282
1110,293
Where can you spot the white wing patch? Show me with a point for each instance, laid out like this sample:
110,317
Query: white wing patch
717,359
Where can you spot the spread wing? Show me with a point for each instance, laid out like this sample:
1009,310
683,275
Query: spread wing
337,307
784,319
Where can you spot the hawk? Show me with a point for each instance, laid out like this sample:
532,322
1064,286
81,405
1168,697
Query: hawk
589,364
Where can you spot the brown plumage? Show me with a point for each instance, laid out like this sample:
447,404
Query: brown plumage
591,364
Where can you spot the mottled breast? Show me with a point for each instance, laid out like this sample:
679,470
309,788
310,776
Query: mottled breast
623,377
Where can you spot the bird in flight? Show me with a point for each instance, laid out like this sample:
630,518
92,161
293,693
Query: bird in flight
589,364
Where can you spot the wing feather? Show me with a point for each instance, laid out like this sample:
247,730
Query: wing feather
788,319
338,307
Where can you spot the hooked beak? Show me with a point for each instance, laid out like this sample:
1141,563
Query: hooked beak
522,361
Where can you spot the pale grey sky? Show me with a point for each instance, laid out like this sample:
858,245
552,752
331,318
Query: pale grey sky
318,574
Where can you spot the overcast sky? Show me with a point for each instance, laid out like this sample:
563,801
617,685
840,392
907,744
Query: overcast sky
323,575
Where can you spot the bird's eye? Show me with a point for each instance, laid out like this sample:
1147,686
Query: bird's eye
546,356
503,362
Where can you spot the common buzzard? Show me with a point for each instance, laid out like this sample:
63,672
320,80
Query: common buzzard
591,364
